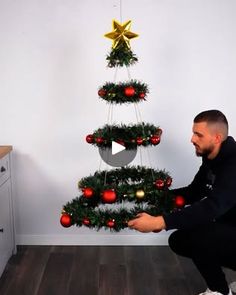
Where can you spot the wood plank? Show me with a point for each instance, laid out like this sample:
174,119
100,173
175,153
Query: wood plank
174,286
9,274
56,274
137,253
192,277
25,278
64,249
141,278
101,270
112,254
230,274
166,263
141,274
84,278
112,280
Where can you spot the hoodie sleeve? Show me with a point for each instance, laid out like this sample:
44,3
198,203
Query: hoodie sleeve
221,199
196,190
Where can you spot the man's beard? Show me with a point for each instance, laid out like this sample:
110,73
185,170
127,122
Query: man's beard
204,152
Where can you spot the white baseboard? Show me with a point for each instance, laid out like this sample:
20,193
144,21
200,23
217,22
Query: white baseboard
95,239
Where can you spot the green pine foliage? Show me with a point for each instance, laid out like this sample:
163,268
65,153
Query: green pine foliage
125,181
115,93
127,134
121,56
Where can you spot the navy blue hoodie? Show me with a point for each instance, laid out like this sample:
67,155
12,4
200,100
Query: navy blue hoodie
211,195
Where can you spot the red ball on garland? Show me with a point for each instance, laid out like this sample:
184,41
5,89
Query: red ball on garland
168,181
129,91
109,196
65,220
86,221
159,183
90,138
179,201
111,223
142,95
87,192
99,140
102,92
139,140
155,139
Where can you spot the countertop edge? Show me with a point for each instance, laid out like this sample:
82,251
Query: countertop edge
4,150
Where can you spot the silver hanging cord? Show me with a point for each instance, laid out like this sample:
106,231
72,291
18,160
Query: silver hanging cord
137,112
128,72
109,121
121,11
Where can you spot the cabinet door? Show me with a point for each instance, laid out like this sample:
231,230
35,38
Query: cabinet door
6,239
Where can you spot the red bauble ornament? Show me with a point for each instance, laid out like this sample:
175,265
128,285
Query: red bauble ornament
99,140
159,183
111,223
109,196
86,221
102,92
168,181
87,192
179,201
155,139
129,91
139,140
65,220
142,95
90,138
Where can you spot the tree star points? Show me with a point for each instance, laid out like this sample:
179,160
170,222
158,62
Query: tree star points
121,34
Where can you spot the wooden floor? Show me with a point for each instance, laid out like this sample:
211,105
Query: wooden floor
100,270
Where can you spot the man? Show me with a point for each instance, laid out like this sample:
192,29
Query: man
206,229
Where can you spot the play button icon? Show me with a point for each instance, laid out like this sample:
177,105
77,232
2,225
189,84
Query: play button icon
117,155
116,148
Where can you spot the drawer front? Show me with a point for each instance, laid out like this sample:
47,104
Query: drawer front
4,169
6,234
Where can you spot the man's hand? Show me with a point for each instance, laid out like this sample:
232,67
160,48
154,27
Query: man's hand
146,223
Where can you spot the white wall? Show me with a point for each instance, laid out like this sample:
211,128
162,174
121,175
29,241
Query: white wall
52,60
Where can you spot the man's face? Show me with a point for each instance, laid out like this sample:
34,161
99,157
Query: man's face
203,139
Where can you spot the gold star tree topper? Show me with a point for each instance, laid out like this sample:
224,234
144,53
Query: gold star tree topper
121,34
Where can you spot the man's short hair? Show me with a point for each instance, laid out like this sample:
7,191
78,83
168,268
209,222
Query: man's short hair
214,117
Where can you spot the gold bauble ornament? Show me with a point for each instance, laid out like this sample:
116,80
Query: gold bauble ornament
140,194
121,34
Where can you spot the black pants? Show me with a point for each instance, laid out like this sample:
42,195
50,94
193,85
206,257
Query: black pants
210,247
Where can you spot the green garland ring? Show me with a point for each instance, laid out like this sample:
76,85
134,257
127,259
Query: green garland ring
126,183
131,136
123,92
115,220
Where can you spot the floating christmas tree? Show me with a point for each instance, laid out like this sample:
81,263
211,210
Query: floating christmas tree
110,198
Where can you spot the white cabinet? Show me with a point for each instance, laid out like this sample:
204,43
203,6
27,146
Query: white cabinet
7,236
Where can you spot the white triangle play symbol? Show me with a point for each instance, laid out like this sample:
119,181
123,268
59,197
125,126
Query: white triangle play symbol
116,148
